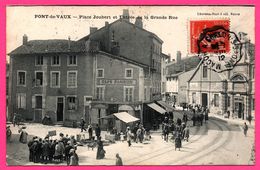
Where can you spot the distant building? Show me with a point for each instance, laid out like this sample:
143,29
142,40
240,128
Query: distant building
232,90
165,60
177,75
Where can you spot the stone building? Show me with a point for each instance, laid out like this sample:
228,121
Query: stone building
114,68
232,90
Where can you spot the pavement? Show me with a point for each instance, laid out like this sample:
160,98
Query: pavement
234,120
218,142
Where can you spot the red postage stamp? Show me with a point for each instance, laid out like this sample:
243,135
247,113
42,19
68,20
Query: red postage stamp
209,36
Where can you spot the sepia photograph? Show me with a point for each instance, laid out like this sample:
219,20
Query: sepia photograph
130,85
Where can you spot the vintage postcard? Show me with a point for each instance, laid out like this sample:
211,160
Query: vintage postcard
130,85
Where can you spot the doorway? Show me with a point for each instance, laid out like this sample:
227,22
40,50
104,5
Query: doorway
239,109
60,108
204,97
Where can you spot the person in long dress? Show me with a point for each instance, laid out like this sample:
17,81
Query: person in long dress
100,150
23,135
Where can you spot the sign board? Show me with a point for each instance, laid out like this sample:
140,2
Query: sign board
52,133
117,81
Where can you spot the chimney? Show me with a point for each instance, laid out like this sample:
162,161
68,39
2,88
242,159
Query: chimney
139,22
106,23
25,39
178,57
92,29
126,15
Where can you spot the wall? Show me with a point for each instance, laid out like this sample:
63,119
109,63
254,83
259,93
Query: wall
84,86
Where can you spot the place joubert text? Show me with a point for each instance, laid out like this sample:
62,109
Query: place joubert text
99,17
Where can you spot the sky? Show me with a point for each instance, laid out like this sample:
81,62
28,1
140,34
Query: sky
170,23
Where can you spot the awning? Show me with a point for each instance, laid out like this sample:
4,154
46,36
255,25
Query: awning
166,106
99,106
126,117
123,116
157,108
125,108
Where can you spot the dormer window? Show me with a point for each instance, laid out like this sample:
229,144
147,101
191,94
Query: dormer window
55,60
39,60
72,60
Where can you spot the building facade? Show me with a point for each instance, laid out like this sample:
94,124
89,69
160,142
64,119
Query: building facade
231,90
105,72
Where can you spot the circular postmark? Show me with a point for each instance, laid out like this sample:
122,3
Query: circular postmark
219,48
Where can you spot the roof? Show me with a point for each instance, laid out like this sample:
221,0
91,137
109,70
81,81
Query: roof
49,46
184,65
124,59
121,20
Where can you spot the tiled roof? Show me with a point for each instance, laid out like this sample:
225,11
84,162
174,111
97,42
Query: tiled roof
186,64
49,46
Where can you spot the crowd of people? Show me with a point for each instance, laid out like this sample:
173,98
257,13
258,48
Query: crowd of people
53,151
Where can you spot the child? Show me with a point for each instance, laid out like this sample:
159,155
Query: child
122,136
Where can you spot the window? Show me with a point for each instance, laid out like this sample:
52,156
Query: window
205,72
72,60
21,81
55,79
193,97
216,100
128,94
21,100
38,78
100,73
39,60
38,102
72,79
100,92
129,73
55,60
71,103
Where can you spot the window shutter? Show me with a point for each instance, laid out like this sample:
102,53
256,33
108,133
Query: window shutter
43,102
76,103
44,81
23,102
33,101
17,100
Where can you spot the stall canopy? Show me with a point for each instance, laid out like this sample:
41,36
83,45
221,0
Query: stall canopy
157,108
123,116
125,107
166,106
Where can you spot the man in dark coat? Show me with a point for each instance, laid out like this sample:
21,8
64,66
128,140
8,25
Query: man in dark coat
185,118
97,131
119,161
68,147
178,141
201,117
90,132
179,122
82,124
39,151
45,151
52,150
33,148
30,143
